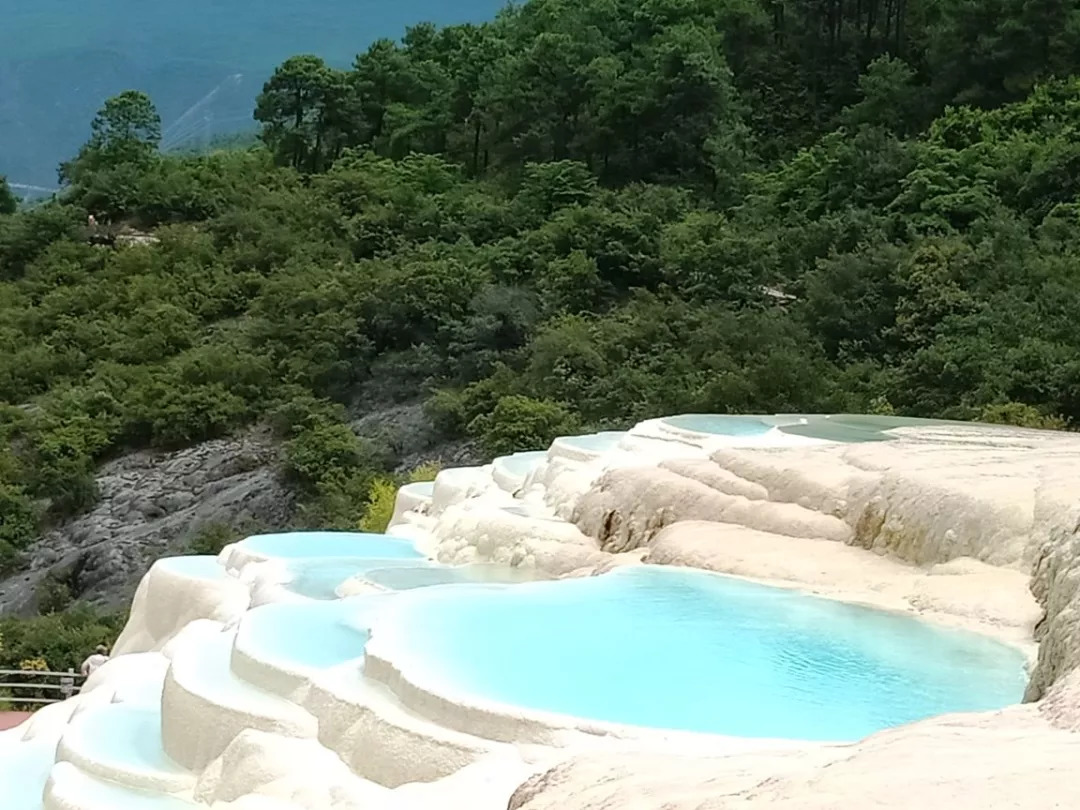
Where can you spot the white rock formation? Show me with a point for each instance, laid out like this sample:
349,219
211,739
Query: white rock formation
233,689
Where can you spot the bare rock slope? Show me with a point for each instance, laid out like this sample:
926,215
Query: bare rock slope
150,505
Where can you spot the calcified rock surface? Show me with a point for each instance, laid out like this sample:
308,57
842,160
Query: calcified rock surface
957,518
962,525
150,504
1006,760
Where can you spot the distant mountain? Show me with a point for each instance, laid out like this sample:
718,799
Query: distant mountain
203,62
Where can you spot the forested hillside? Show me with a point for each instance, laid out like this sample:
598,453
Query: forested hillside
578,215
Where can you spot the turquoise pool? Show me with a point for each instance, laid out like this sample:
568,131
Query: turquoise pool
24,770
720,425
297,545
520,464
316,635
124,736
680,649
319,578
410,578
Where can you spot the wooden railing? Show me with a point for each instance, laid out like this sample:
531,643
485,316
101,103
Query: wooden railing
27,690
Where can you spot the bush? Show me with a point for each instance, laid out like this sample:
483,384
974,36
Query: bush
63,640
212,538
382,496
334,469
18,523
522,423
53,595
322,453
445,409
451,410
175,415
379,508
1019,414
9,203
77,494
299,410
337,502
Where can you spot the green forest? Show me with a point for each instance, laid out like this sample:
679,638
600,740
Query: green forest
576,216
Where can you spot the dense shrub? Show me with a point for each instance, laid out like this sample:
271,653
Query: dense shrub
382,497
522,423
62,640
576,215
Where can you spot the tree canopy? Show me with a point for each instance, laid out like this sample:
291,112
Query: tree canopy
575,216
9,203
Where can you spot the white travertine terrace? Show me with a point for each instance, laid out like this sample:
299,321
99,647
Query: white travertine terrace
967,525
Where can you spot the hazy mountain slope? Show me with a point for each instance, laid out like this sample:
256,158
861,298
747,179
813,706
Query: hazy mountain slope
203,62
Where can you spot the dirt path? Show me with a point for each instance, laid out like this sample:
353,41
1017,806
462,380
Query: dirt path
11,719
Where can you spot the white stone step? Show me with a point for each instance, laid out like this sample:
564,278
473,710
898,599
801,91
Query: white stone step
587,447
511,472
279,647
174,592
69,788
135,679
289,547
122,743
381,740
458,484
415,497
204,705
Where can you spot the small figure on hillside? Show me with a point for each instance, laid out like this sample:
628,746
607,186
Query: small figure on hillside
100,656
91,221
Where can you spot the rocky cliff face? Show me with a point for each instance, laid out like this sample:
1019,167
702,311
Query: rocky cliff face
150,506
1056,584
407,433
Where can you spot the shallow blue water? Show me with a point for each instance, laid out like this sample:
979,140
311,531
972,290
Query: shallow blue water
319,578
688,650
128,736
521,463
317,635
24,770
407,579
296,545
720,425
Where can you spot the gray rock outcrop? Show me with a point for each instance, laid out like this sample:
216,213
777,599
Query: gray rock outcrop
1056,584
150,506
408,434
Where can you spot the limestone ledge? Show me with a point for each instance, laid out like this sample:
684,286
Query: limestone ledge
947,521
960,522
1008,759
966,525
962,593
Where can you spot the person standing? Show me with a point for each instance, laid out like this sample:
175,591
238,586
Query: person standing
100,656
